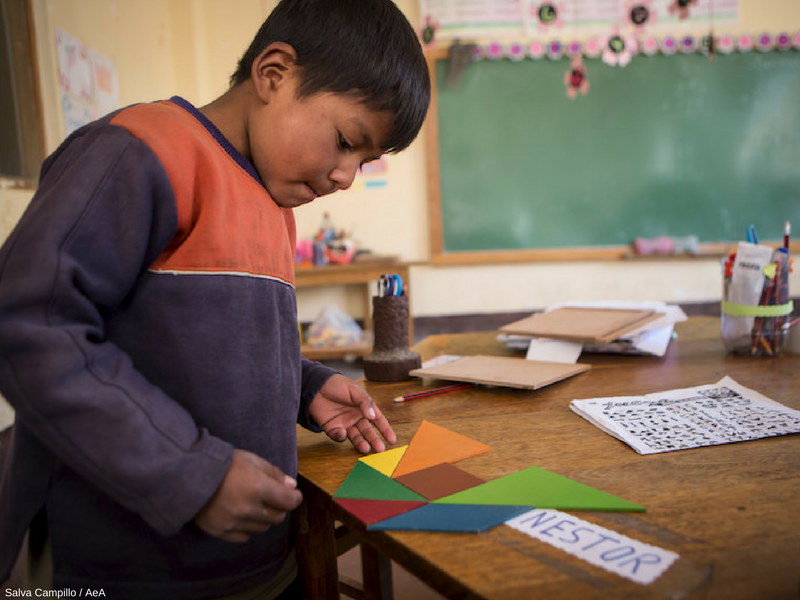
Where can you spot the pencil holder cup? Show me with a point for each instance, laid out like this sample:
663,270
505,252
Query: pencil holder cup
391,358
759,329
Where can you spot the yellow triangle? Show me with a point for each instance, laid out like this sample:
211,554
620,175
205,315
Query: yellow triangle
386,461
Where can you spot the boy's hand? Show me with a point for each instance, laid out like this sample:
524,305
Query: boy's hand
253,496
344,410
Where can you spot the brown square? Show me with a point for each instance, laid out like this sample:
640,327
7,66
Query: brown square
439,481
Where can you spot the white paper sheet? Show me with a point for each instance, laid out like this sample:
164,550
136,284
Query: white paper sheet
705,415
550,350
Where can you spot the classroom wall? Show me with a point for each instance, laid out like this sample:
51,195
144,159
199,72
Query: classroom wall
394,220
190,47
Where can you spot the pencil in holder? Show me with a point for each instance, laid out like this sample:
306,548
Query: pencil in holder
391,359
759,329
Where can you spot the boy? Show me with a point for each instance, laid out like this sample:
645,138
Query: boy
148,335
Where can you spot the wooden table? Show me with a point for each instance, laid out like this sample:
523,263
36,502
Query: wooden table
363,273
732,512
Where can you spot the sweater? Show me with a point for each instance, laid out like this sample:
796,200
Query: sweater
148,326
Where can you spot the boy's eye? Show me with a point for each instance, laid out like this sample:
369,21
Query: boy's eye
344,144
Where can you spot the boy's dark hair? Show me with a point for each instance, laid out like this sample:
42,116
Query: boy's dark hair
362,47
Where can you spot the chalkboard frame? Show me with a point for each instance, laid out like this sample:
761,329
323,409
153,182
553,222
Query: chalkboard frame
440,255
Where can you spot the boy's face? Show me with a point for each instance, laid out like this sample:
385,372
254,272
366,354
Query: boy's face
310,147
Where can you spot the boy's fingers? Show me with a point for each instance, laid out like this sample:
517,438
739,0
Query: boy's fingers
276,490
368,408
384,427
277,495
368,436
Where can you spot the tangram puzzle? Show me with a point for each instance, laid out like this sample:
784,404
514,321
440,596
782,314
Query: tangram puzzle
416,487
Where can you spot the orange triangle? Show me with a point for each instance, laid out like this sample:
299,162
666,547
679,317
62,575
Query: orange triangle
433,445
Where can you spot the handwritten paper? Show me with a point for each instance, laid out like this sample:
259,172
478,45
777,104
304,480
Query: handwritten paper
597,545
706,415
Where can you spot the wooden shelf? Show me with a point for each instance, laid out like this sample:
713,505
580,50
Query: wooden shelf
345,351
364,273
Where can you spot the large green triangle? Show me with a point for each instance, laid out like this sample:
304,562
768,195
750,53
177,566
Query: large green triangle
366,483
538,487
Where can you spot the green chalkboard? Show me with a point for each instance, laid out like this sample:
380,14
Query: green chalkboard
668,145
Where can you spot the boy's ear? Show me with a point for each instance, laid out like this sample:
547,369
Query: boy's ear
271,67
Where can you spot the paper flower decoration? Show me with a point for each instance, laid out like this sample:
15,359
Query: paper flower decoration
554,50
592,48
536,50
764,42
783,41
796,40
494,51
688,44
669,45
516,51
745,43
681,7
576,79
618,50
573,49
639,14
548,14
649,46
725,44
427,34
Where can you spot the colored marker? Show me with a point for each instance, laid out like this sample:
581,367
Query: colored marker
787,230
433,392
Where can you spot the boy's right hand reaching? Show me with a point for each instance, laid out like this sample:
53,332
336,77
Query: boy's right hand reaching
253,496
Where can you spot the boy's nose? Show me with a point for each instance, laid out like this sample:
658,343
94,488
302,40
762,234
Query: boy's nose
344,174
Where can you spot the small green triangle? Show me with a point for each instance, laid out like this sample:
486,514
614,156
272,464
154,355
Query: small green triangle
538,487
366,483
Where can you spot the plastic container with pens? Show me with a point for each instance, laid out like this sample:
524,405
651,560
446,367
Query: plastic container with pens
755,301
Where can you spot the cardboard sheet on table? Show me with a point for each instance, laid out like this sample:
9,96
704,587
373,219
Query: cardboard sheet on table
457,518
373,511
433,444
506,371
366,483
385,462
439,480
541,488
599,325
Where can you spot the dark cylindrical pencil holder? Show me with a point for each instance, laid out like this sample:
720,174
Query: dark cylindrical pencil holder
391,358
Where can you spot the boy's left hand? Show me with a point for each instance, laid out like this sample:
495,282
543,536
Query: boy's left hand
344,410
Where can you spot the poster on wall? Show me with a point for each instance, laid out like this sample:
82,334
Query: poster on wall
521,19
87,81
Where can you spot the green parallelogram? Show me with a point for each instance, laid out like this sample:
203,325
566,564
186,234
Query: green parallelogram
541,488
366,483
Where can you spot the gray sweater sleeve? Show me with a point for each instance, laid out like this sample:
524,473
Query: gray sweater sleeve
103,212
